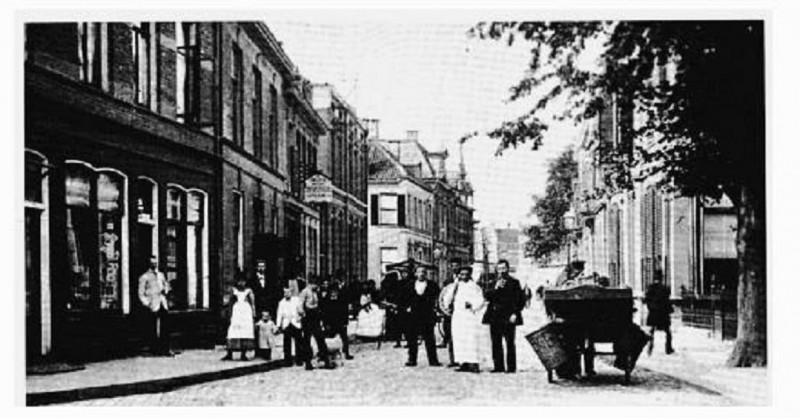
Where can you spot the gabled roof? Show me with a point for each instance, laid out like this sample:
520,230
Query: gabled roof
410,153
382,165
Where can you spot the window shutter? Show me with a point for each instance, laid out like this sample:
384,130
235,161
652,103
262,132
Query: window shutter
401,210
374,209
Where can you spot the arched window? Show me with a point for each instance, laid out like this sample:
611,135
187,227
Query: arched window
146,191
95,206
37,260
175,245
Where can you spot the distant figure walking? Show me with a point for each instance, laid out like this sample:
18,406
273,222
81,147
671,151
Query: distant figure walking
659,309
241,334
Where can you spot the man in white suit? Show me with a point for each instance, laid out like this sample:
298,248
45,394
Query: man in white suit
153,290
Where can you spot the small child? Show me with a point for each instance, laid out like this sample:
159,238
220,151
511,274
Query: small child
266,336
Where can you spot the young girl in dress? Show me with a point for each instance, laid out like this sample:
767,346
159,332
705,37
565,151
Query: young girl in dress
241,330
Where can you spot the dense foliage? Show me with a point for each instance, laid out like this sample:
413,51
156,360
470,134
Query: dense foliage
697,88
549,236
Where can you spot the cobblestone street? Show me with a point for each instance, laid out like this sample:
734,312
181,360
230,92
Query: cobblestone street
378,378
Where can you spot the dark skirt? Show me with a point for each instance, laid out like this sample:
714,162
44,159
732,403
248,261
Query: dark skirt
237,344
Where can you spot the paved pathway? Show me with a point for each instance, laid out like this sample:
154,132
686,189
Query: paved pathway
378,378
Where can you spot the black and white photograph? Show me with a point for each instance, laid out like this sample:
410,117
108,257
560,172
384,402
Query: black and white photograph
366,207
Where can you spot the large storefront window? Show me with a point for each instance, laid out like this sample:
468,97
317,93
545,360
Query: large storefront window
95,214
195,249
175,243
36,257
146,226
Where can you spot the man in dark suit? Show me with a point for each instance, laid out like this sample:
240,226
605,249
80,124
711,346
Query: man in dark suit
264,292
504,313
419,300
659,308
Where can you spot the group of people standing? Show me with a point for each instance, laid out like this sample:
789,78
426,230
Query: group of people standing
466,309
306,311
316,310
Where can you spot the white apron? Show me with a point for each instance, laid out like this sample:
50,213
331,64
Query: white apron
242,325
467,326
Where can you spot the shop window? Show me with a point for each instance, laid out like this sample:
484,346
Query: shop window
95,232
146,226
36,254
175,257
196,250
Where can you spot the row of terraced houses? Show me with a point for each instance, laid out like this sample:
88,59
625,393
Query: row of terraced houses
198,142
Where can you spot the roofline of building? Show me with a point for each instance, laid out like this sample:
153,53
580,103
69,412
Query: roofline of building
338,97
271,47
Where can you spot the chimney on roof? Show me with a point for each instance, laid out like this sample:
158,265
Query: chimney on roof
412,135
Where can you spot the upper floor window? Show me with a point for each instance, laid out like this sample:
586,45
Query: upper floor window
237,87
272,147
141,45
388,209
90,52
258,111
187,74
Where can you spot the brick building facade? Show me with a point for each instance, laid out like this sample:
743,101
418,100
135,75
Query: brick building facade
187,140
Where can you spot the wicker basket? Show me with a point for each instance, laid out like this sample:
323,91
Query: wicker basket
548,343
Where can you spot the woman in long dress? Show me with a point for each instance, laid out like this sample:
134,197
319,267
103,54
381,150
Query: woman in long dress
468,304
241,334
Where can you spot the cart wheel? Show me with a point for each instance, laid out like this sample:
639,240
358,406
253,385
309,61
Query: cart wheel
549,376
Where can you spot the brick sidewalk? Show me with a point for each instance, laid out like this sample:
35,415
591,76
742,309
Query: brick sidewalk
700,359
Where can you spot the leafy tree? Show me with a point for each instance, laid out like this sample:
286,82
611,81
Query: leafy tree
549,236
703,130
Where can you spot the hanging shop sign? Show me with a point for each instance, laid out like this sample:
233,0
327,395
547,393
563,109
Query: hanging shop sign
319,189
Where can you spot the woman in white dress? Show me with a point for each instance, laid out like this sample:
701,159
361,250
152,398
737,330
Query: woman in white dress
241,334
468,304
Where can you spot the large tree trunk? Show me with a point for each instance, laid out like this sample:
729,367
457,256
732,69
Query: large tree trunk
751,340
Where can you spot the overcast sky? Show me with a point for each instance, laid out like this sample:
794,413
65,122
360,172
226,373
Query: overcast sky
431,77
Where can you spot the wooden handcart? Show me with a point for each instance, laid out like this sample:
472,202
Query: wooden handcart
581,317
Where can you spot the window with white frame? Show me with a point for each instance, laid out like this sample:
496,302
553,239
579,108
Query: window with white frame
196,250
388,209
